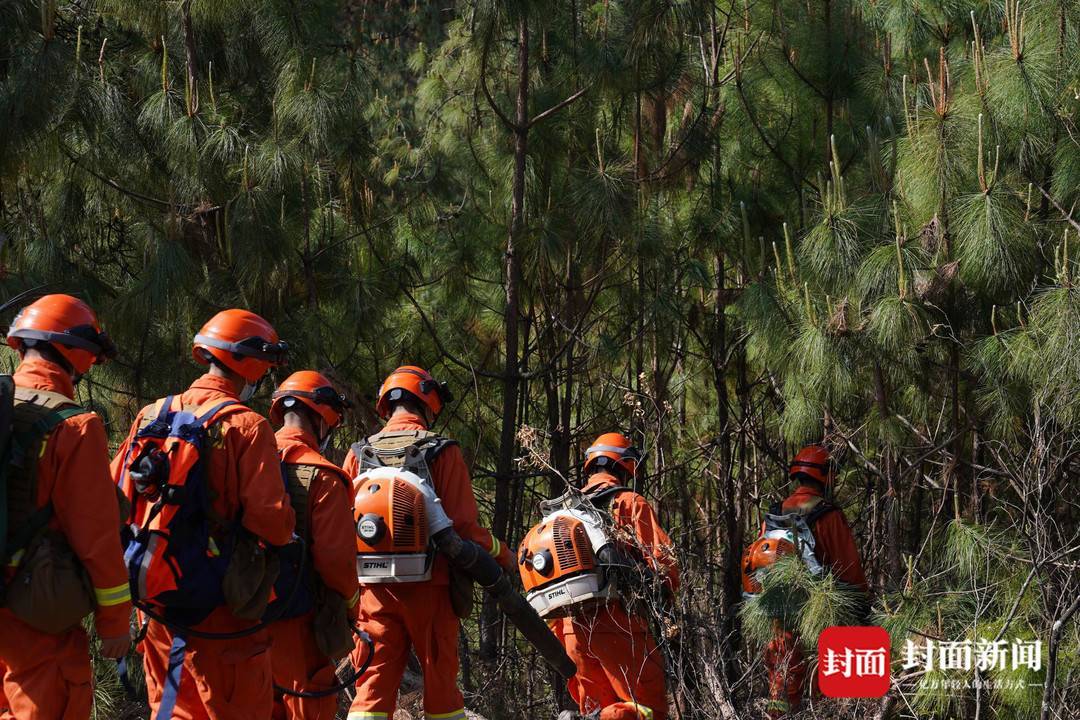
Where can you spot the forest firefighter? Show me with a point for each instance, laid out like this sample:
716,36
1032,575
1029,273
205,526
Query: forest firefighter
205,650
620,668
59,511
307,409
416,609
806,522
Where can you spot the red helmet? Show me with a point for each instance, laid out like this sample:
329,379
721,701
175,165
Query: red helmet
313,390
761,554
241,341
612,450
68,325
815,462
410,380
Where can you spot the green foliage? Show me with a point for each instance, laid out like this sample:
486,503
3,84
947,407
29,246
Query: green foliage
801,601
744,226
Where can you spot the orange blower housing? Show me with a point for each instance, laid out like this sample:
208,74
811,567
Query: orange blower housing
559,563
392,539
762,553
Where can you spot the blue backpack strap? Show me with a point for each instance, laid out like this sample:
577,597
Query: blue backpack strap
205,419
177,652
166,408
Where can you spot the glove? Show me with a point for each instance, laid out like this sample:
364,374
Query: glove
506,561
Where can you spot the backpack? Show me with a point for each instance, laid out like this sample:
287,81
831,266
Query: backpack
797,527
411,450
294,588
175,566
54,592
390,511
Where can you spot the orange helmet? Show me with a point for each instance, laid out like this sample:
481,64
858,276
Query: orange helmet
241,341
68,325
313,390
613,450
815,462
761,554
410,380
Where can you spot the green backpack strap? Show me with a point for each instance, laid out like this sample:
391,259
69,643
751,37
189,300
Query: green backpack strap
7,410
20,443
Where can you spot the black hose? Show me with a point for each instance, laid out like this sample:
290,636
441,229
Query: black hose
471,559
344,682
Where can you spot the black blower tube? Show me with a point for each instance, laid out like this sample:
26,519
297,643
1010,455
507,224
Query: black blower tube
471,559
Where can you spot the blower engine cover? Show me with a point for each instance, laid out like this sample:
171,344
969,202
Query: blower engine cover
559,564
761,554
394,526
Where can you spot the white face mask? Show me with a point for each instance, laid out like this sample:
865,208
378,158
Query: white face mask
250,388
248,392
327,434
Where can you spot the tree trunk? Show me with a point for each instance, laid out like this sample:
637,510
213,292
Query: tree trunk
507,443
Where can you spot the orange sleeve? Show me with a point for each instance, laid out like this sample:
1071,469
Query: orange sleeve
267,511
836,549
654,542
454,486
351,466
333,539
87,513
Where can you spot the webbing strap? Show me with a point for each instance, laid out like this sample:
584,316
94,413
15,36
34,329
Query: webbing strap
164,407
206,417
177,652
21,443
125,679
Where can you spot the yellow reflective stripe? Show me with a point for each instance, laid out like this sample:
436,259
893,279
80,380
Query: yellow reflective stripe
213,548
14,561
496,546
366,715
107,597
456,715
354,599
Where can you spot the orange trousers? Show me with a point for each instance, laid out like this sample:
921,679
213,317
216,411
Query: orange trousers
620,668
221,679
298,665
45,677
400,617
787,673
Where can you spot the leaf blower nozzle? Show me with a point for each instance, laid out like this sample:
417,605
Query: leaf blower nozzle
471,559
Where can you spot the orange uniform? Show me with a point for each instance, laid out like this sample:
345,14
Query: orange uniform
620,667
420,614
49,676
834,547
297,662
224,679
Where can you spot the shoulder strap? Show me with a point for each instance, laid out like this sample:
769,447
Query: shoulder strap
207,413
7,412
815,513
601,499
298,479
211,412
390,447
42,398
25,519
